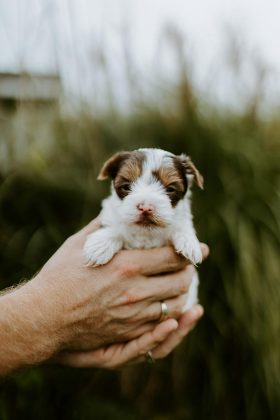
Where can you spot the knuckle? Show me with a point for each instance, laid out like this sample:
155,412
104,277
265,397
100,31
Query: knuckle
127,270
172,259
178,308
156,315
150,314
130,296
183,285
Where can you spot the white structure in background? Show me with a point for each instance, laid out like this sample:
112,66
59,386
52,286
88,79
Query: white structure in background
28,103
30,89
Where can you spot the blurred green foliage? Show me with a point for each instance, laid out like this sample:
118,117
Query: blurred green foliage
229,367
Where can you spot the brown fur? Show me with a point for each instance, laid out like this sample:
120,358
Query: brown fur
125,164
191,169
131,168
124,168
129,171
173,176
169,175
111,166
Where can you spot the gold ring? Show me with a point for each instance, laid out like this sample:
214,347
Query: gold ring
149,358
163,310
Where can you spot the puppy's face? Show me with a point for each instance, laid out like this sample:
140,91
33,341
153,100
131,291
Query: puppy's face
149,184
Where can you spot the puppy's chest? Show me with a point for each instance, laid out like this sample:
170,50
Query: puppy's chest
145,239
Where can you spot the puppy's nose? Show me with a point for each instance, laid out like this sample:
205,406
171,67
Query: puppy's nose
145,208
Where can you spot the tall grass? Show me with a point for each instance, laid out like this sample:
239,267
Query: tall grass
229,368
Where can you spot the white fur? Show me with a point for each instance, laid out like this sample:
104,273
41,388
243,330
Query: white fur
119,230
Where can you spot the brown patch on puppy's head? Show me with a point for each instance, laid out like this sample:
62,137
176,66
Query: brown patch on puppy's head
173,178
191,169
123,168
112,165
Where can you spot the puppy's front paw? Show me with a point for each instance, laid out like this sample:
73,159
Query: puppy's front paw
100,247
189,247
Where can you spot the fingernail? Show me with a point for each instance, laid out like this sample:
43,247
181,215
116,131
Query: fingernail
175,324
197,311
205,250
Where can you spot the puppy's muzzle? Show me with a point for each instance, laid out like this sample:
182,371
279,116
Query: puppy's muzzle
145,209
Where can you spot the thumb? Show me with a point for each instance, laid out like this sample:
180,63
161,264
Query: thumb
91,227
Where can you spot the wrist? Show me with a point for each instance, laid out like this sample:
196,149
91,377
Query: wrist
28,333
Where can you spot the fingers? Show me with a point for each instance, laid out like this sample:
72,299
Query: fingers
140,346
140,330
155,261
161,341
205,250
164,287
74,359
175,307
158,260
186,323
118,355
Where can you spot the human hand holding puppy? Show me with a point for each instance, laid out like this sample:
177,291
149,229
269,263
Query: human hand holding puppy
72,312
140,310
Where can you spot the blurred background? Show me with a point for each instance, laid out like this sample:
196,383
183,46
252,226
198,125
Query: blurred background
80,80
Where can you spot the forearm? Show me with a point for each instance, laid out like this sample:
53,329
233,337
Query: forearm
27,328
71,307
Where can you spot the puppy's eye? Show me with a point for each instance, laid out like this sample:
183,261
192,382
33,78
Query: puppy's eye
171,189
125,187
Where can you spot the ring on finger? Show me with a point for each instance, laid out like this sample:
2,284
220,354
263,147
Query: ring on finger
163,310
149,358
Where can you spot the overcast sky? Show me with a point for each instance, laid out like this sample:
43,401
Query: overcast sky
66,35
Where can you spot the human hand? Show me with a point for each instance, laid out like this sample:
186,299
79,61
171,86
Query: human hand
68,306
162,340
88,308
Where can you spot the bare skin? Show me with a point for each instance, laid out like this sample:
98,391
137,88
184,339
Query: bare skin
96,317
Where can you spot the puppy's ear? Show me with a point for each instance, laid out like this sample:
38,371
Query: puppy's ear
192,170
112,165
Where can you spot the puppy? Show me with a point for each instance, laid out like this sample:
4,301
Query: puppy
149,207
